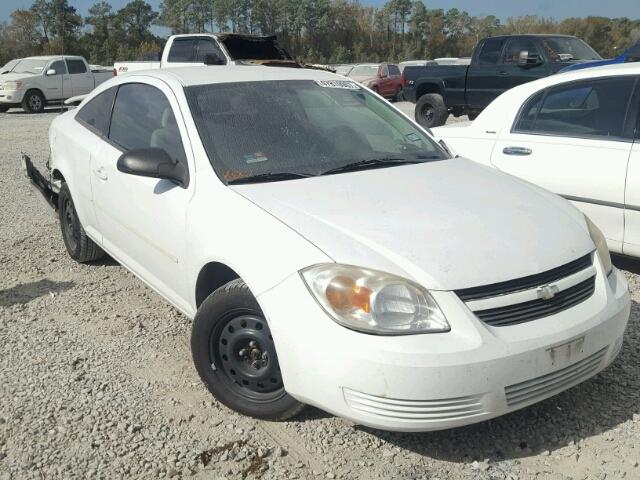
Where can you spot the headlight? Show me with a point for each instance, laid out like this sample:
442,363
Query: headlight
374,302
12,85
601,245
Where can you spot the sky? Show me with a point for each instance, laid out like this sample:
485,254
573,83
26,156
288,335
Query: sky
558,9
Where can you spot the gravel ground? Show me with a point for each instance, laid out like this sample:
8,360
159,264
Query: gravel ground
96,381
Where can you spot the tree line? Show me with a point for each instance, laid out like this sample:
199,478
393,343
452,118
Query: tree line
318,31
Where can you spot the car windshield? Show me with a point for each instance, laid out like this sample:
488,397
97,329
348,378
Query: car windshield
30,65
564,49
8,66
364,71
299,128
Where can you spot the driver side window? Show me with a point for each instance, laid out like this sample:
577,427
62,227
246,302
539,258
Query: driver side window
59,66
143,118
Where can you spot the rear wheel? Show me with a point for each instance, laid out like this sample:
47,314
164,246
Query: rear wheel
4,108
235,355
473,115
79,246
431,110
33,102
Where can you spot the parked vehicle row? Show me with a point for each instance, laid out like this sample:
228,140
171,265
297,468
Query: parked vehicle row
498,64
330,251
34,82
576,134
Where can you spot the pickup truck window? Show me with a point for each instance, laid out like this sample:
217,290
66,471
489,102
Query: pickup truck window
95,115
143,118
76,66
564,49
207,46
59,66
394,70
517,45
182,50
300,127
490,52
593,108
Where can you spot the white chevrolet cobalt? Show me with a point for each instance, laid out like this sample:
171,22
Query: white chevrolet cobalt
330,251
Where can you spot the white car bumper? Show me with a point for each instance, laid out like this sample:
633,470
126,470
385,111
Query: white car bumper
438,381
11,97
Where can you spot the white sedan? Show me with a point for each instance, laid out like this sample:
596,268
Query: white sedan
576,134
330,251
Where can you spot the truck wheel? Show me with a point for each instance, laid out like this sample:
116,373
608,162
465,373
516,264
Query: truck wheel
33,102
473,115
79,246
431,110
4,108
235,355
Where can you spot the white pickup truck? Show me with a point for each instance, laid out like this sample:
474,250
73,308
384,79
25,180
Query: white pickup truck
34,82
214,49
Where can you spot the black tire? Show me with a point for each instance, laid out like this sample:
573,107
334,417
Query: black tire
4,108
431,110
242,375
399,96
79,246
473,115
33,102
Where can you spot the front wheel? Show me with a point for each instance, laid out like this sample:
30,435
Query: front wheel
431,110
79,246
235,355
33,102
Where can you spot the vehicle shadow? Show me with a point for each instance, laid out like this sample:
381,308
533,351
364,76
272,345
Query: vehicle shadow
623,262
593,407
25,292
51,109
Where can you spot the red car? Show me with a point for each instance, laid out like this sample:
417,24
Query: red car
383,78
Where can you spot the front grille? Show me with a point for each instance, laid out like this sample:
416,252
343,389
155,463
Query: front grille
534,309
546,385
412,410
524,283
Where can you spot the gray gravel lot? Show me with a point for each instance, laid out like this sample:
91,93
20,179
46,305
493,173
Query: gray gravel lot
96,381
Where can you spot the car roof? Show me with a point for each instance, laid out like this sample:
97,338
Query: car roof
49,57
202,75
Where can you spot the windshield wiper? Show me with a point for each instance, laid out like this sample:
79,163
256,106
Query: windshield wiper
270,177
376,163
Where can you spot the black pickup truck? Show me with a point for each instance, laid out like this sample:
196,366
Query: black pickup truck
498,64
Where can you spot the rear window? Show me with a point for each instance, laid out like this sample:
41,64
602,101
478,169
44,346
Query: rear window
490,52
76,66
96,114
182,50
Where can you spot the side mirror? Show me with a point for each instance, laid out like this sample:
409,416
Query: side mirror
50,72
526,60
154,163
211,59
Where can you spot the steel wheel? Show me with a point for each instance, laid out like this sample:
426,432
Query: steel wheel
427,112
35,102
244,350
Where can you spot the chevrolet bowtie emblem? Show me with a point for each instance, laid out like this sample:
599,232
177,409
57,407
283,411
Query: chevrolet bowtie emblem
547,292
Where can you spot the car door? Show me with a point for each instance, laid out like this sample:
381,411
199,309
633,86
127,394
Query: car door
394,80
142,219
383,80
81,77
483,82
57,84
571,140
632,191
93,117
513,73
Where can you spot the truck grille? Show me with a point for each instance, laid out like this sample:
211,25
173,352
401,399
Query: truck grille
491,303
546,385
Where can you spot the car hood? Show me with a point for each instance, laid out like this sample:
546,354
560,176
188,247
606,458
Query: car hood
12,77
446,224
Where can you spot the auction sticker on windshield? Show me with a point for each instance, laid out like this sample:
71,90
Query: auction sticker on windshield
338,84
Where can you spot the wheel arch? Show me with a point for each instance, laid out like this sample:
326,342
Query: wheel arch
429,86
212,276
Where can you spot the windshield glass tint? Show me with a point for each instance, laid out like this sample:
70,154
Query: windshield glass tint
30,66
564,49
364,71
300,127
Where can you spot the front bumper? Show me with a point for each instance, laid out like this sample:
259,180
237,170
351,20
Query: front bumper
437,381
11,97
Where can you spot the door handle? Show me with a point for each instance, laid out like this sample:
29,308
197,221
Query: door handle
519,151
101,173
